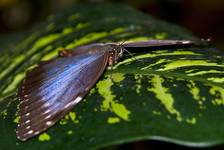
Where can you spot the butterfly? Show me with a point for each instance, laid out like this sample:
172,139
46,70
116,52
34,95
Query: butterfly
49,91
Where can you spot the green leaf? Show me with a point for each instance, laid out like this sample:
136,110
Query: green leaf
174,95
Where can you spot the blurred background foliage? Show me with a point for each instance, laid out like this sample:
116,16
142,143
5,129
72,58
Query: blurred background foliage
203,17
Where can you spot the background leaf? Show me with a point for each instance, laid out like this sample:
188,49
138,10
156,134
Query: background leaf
174,95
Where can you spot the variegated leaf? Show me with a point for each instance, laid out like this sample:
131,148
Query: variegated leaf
174,95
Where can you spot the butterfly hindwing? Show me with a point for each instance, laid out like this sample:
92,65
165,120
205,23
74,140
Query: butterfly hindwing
50,90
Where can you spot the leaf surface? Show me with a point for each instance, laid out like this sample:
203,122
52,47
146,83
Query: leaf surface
175,95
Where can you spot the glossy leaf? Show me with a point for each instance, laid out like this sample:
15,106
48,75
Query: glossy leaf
175,95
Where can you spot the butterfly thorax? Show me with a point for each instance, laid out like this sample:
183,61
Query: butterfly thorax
114,51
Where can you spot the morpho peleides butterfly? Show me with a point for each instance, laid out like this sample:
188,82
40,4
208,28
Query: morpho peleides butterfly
54,87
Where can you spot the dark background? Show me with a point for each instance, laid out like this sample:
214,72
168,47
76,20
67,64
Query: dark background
205,18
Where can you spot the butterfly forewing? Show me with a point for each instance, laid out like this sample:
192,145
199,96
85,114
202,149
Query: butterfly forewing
158,44
50,90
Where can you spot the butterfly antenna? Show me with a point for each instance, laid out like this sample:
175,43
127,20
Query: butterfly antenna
129,53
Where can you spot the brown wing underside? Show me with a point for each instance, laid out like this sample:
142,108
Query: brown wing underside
159,44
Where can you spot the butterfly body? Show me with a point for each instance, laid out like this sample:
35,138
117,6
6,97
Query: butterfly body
54,87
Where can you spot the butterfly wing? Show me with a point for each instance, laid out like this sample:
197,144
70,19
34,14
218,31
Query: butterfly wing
50,90
158,44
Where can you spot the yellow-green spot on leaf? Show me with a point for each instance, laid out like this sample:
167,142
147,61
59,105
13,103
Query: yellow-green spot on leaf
4,113
117,30
15,62
117,77
70,115
195,92
81,26
138,83
52,54
43,41
64,120
218,93
73,17
70,132
141,38
50,26
73,117
168,117
192,120
14,83
113,120
203,72
109,103
161,36
16,120
202,107
31,67
163,95
217,80
120,110
187,63
92,91
67,30
154,64
158,113
189,71
44,137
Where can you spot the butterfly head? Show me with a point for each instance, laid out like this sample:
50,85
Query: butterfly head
115,53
